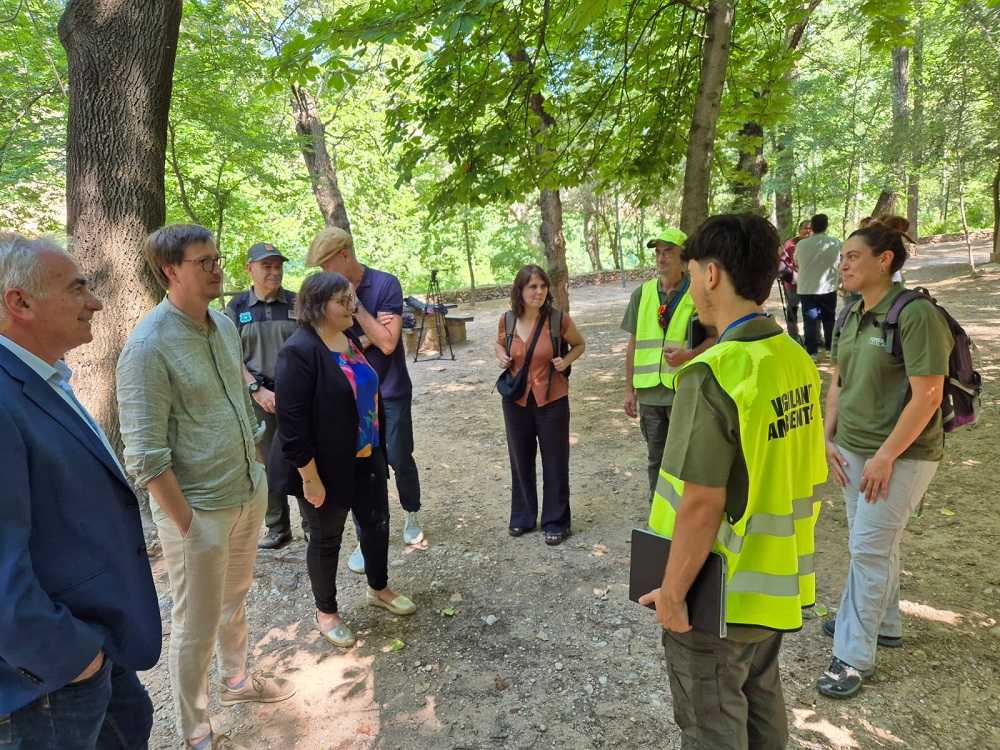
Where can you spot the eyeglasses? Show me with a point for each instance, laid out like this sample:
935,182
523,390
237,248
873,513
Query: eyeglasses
208,264
661,317
665,251
347,302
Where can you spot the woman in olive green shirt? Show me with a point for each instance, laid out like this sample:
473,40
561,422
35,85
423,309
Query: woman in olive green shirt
884,442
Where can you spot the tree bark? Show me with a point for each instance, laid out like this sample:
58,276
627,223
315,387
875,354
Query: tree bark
995,255
708,100
750,169
549,201
469,258
120,55
316,155
900,130
886,203
916,129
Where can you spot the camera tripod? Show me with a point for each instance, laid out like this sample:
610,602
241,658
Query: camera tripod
436,310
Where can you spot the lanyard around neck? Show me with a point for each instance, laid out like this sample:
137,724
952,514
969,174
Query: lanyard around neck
737,322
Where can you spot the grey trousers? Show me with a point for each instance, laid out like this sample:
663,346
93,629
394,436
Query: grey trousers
870,604
653,424
727,695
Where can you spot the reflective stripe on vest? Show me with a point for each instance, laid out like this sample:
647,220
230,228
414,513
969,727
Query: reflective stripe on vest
770,549
649,367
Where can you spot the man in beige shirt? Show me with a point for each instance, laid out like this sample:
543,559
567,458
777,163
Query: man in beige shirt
190,433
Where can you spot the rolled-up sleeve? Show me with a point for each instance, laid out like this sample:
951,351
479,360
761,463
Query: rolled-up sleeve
144,410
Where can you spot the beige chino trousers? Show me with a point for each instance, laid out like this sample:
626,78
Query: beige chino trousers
210,572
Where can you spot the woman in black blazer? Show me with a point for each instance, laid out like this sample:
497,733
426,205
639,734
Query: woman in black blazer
329,448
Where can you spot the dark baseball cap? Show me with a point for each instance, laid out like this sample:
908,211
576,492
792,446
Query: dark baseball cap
263,250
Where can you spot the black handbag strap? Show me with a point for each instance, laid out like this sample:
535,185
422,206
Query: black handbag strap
534,340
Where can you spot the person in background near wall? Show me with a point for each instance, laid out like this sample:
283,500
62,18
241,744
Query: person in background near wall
659,320
884,440
744,456
539,419
265,318
189,431
329,450
788,275
79,612
817,257
378,324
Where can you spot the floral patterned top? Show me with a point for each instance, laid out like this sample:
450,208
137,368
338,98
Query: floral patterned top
364,383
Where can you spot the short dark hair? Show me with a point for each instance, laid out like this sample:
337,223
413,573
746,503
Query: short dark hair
886,234
745,246
819,223
315,292
165,247
521,281
805,223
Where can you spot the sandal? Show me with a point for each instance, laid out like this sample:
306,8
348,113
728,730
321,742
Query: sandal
552,538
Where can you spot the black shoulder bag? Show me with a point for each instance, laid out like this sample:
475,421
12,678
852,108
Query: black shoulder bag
511,387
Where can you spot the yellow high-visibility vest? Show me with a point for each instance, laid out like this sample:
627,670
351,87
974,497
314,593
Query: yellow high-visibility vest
649,367
776,389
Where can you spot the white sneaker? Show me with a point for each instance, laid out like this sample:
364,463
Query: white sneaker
356,561
413,532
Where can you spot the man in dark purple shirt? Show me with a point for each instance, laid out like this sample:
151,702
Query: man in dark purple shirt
379,324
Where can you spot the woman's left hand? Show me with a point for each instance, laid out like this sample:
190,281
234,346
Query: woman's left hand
314,492
875,478
560,364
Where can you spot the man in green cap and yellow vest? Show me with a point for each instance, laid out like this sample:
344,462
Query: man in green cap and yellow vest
659,321
743,457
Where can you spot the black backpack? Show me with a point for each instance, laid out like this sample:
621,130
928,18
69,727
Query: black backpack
961,396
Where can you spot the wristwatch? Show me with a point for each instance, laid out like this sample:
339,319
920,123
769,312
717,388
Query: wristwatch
253,387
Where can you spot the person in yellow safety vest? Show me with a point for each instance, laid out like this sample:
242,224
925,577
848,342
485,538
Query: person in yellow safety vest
744,454
659,320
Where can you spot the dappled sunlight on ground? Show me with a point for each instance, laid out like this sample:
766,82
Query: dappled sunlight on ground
839,738
928,612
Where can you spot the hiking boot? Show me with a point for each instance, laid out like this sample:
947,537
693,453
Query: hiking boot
885,641
257,689
356,561
413,532
842,680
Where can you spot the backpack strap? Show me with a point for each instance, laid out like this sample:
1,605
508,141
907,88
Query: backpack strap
508,323
845,311
555,331
893,344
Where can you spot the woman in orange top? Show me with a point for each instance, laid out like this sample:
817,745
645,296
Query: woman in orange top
540,418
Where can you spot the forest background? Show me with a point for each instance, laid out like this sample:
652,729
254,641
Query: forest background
474,136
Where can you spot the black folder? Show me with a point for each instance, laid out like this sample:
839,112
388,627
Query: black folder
706,599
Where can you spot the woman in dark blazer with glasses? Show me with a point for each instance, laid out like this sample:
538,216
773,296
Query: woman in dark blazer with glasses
329,448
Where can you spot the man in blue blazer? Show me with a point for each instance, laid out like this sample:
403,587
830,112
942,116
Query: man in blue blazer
78,609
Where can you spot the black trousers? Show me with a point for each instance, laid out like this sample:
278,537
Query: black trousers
370,504
529,428
818,309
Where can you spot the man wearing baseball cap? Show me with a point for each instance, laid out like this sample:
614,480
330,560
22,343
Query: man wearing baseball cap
663,334
265,318
378,322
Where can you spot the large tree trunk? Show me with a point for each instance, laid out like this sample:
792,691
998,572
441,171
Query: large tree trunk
549,201
900,130
750,169
916,130
315,153
708,100
121,60
995,255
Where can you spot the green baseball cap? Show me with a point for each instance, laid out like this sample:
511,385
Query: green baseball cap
668,237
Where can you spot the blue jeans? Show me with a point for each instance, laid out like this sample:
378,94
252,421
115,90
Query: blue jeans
816,309
108,711
399,446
